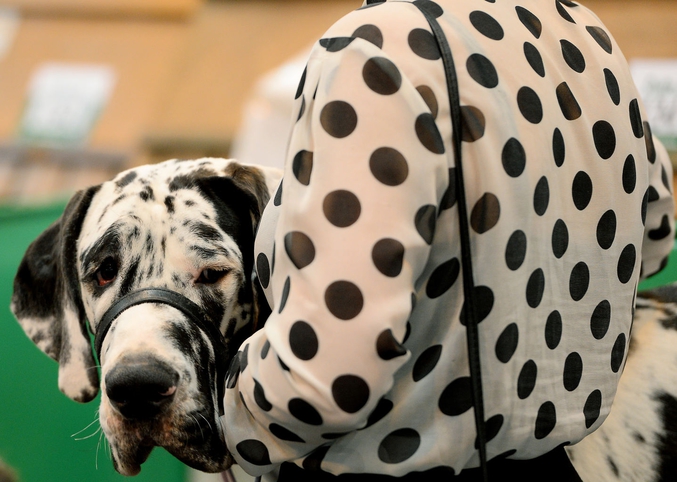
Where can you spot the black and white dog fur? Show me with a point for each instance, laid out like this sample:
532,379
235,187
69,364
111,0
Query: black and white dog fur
184,226
189,227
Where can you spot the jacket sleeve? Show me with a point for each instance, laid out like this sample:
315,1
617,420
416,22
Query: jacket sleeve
365,172
659,233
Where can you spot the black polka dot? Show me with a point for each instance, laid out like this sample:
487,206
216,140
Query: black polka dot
581,190
473,125
388,347
285,294
530,21
335,44
338,119
429,98
516,250
573,371
579,280
636,119
342,208
428,134
277,200
601,37
302,83
449,198
617,353
663,231
284,434
667,182
382,76
302,110
456,398
484,298
563,13
492,427
443,278
507,342
299,248
545,420
541,196
612,86
526,382
653,194
482,71
302,167
313,462
650,147
572,56
423,44
486,213
514,158
244,358
606,229
567,102
553,330
254,451
592,408
605,139
600,320
388,255
303,340
233,372
426,221
333,436
305,412
558,148
399,446
530,105
263,270
534,58
382,409
370,33
645,205
260,397
430,7
486,25
282,364
265,349
389,166
344,300
629,175
626,263
426,362
535,288
350,393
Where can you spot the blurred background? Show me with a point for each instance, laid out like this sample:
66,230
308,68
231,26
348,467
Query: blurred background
91,87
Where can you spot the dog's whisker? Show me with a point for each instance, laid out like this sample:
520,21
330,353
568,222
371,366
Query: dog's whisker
92,423
88,436
198,425
208,424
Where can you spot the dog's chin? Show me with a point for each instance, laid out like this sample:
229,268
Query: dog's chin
132,442
128,461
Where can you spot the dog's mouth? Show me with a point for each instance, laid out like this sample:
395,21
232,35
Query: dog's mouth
195,442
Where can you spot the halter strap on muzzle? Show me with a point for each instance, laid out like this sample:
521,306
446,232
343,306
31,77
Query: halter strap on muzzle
176,300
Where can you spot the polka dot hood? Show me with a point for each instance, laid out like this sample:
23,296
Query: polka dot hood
363,365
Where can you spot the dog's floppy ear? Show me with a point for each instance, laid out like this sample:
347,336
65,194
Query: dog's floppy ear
252,182
47,303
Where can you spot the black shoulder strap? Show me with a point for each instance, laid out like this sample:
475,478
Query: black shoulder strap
470,305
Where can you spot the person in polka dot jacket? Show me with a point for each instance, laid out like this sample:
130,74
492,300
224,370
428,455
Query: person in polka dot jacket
362,368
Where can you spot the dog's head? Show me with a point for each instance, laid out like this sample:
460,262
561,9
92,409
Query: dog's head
181,227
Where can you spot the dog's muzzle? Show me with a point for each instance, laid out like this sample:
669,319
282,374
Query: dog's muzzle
191,310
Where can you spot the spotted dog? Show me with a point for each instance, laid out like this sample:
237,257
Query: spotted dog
178,230
638,441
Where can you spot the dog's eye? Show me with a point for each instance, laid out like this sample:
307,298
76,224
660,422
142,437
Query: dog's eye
107,272
210,275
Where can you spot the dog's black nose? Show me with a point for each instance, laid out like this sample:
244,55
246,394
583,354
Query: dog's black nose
141,388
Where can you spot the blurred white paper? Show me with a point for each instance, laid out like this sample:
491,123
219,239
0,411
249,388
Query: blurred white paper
64,102
656,80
